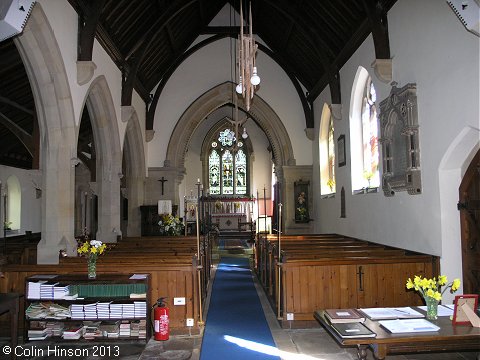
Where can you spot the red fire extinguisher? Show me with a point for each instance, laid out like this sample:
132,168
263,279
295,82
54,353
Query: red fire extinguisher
161,320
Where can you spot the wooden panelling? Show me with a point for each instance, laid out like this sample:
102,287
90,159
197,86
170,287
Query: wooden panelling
333,271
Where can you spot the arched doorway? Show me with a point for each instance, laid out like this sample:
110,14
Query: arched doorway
469,206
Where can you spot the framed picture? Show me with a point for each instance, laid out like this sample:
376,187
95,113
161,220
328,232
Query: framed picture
300,192
459,315
342,160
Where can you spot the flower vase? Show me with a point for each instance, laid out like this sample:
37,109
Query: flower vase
432,308
92,267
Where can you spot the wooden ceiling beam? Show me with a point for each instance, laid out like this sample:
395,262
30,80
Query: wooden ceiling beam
89,12
16,105
377,16
24,137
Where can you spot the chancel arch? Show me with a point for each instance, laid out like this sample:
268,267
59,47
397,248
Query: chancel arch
263,115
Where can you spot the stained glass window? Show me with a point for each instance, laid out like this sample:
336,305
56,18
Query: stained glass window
331,156
241,172
214,172
370,137
227,137
227,168
227,173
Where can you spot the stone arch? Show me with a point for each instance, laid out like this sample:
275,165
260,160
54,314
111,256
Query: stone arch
46,71
260,112
135,171
451,170
103,118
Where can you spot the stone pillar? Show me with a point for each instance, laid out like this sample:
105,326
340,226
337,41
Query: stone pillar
108,202
292,174
135,196
58,203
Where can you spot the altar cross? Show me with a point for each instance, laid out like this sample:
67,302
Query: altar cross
162,180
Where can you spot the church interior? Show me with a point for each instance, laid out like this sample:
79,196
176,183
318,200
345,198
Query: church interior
330,151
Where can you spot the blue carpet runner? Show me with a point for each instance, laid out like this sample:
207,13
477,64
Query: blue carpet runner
236,327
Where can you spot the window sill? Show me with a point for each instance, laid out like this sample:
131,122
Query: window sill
368,190
328,196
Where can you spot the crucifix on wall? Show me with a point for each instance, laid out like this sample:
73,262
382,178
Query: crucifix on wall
162,180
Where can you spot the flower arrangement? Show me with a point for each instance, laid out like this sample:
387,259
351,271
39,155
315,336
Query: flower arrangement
431,287
430,291
91,250
170,225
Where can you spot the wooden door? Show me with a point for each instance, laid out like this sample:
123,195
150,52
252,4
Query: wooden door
469,206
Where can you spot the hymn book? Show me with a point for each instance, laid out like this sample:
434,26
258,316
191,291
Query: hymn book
336,316
353,330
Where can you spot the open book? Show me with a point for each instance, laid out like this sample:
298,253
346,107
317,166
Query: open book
408,325
391,313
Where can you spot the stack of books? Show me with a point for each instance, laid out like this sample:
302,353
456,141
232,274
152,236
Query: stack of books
140,309
348,323
37,334
125,329
73,332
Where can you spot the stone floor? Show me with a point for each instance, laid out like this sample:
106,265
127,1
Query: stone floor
294,344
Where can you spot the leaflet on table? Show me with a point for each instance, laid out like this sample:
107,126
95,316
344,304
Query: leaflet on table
408,326
138,276
442,310
391,313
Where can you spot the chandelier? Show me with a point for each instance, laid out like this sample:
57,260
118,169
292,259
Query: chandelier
248,77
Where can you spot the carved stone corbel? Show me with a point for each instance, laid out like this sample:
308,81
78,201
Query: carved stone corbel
383,70
85,71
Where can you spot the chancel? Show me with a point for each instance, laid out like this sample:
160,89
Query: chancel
313,155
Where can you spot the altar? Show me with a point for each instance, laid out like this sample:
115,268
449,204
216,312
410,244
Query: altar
230,214
229,221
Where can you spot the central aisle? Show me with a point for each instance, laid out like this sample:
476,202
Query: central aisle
236,327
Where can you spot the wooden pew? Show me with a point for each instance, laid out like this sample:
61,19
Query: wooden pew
21,249
175,272
332,271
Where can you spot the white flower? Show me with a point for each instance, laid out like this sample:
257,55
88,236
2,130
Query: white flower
96,243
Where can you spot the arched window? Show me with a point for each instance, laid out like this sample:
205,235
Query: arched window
364,134
13,203
227,165
370,136
327,152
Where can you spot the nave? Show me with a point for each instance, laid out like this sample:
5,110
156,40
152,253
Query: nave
288,343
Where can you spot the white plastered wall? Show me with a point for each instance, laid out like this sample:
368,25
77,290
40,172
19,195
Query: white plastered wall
431,48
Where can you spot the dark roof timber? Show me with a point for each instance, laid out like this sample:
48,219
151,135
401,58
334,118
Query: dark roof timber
148,39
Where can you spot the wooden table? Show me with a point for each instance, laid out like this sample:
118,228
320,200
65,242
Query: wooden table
448,338
10,302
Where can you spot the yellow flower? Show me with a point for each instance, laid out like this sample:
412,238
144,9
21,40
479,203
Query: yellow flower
455,284
442,280
91,248
409,284
431,287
